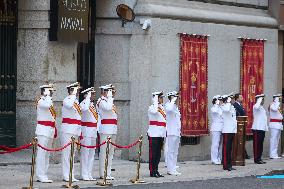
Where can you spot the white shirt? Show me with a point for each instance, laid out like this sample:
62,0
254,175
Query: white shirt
274,113
259,117
107,112
217,120
44,106
173,119
90,118
69,111
157,115
229,118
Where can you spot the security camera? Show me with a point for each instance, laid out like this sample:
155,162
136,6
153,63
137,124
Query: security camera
146,23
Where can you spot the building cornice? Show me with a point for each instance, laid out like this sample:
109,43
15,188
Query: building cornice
205,12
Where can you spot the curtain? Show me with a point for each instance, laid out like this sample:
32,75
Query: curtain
193,84
252,66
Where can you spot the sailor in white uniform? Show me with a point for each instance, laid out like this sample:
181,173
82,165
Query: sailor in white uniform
71,126
107,128
173,127
275,125
229,130
89,122
156,132
216,130
259,127
45,131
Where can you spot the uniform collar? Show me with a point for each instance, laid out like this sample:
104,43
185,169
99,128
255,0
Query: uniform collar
103,98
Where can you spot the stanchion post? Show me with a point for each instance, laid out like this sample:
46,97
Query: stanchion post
105,183
137,180
69,185
34,142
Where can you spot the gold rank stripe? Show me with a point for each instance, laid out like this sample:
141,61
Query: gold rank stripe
162,112
114,109
77,107
52,111
94,112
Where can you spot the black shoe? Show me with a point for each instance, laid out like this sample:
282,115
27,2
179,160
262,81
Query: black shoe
247,157
258,162
159,174
263,162
233,168
229,169
154,175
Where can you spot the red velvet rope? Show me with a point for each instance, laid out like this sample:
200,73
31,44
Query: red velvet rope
55,149
8,150
126,147
90,146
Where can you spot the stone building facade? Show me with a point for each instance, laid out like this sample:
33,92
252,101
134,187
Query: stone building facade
139,62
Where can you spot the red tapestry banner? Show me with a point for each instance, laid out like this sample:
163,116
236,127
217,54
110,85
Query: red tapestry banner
252,66
193,85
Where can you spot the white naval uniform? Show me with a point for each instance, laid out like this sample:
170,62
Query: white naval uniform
71,126
89,134
156,134
173,126
45,134
275,125
259,126
229,129
216,134
259,118
229,118
108,127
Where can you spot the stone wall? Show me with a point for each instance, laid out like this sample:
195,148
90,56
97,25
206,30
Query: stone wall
152,57
39,61
139,62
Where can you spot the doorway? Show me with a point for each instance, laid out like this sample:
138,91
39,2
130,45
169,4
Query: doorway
8,68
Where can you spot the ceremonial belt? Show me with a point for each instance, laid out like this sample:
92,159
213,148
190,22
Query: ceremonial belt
89,124
276,120
49,124
158,123
109,121
71,121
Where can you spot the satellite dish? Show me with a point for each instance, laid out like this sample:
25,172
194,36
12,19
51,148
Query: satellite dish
125,13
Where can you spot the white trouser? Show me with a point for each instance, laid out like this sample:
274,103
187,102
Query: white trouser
42,157
172,152
166,149
87,157
102,156
274,141
216,146
66,138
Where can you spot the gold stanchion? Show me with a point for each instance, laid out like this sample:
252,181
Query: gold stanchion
137,180
34,142
69,185
105,183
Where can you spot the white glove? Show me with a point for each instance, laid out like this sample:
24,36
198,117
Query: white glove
75,91
155,99
46,92
109,93
174,100
276,99
217,102
229,100
259,100
89,95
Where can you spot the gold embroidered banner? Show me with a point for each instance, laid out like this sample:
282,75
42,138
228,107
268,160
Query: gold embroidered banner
193,85
252,65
